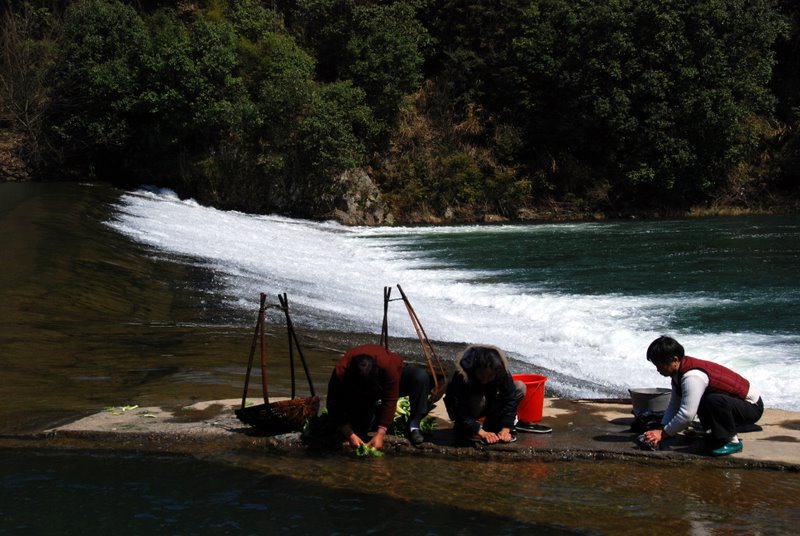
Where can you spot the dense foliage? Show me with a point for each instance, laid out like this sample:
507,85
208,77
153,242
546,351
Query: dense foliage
455,109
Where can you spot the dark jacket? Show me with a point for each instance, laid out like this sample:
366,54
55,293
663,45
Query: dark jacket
502,397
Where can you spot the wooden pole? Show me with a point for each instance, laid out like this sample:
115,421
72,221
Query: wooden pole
263,352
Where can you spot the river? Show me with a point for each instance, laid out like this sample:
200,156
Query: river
578,303
113,298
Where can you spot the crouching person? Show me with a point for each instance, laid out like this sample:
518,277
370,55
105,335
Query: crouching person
482,387
364,376
722,399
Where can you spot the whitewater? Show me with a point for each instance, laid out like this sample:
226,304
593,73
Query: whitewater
589,345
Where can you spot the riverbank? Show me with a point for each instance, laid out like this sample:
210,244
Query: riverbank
581,430
13,170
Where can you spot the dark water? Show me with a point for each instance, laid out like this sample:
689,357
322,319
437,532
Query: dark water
101,493
89,319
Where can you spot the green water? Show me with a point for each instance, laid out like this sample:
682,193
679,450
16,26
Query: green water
749,262
90,319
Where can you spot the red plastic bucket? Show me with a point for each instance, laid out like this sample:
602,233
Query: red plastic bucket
530,409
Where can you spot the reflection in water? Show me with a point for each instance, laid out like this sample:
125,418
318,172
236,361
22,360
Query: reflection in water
92,320
89,319
94,493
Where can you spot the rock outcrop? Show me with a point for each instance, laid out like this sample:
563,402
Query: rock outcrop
361,203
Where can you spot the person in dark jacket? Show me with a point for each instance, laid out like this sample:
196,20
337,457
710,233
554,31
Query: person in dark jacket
722,399
482,387
365,375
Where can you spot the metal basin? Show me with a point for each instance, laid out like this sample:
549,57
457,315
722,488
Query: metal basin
649,399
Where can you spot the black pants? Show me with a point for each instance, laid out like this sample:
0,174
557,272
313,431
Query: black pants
722,414
490,411
415,382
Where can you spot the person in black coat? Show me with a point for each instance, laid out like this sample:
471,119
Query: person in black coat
482,388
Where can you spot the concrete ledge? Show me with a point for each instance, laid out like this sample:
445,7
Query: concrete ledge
581,430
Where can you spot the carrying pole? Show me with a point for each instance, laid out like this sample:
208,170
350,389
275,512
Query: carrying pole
253,349
285,306
293,338
387,294
427,348
263,352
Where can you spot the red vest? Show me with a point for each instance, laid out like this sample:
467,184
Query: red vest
720,379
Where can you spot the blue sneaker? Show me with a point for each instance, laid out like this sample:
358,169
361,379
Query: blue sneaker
728,448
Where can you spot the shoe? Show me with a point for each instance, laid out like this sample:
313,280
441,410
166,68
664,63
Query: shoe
415,437
532,428
728,448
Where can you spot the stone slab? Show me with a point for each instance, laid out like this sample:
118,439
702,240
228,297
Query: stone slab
581,429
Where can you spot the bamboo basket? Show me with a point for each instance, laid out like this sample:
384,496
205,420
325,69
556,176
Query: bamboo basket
284,415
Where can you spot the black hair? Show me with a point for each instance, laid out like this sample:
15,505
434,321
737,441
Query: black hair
483,358
663,349
362,375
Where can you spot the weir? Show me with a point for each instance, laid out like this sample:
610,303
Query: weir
581,430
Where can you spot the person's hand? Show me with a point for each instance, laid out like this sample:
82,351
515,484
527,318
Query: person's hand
488,437
354,440
352,437
655,437
504,435
377,439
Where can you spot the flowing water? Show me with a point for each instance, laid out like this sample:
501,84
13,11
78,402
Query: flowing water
578,302
113,298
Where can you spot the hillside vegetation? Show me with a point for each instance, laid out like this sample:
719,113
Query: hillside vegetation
412,111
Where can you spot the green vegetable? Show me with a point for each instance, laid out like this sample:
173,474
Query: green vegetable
403,407
427,425
368,451
117,410
401,415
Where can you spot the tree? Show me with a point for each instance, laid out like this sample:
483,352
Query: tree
654,97
27,54
472,55
375,45
384,57
295,135
786,85
97,81
328,142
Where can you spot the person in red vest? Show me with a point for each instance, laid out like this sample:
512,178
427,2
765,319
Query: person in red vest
365,375
722,399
